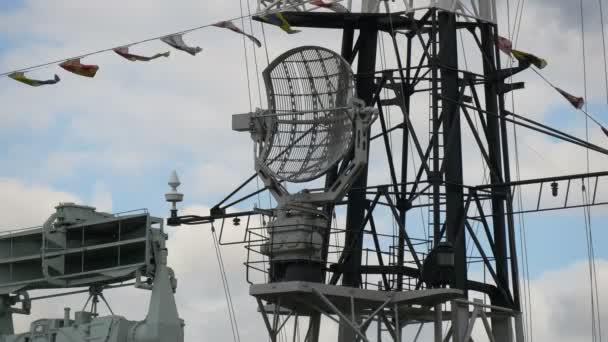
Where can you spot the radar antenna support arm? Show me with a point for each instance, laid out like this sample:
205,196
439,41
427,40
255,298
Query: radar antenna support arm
363,117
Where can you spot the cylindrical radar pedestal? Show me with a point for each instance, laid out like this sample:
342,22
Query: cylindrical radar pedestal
295,245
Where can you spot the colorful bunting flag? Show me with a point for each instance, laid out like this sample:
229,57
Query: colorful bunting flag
74,66
577,102
504,45
19,76
331,4
232,27
279,20
177,41
124,52
529,58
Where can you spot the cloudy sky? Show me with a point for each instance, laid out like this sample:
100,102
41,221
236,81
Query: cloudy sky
112,141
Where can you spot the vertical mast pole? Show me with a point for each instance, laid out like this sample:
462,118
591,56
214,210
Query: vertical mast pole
448,58
452,142
347,53
357,201
499,325
505,248
435,127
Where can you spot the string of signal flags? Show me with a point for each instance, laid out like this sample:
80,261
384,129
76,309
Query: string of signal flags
506,46
174,40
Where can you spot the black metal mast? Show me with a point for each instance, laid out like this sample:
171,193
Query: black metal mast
357,198
427,57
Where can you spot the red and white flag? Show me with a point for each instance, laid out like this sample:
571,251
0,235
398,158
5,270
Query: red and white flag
330,4
74,66
504,45
232,27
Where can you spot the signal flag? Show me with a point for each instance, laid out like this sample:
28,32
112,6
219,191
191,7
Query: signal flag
19,76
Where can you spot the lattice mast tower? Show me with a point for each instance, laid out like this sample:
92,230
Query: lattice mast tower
415,280
442,20
436,24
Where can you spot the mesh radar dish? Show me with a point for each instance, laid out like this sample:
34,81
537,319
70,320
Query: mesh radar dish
309,125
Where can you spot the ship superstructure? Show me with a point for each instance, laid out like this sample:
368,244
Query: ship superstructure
79,247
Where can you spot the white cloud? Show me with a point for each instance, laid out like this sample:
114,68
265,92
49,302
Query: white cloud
102,197
24,204
140,114
27,205
561,303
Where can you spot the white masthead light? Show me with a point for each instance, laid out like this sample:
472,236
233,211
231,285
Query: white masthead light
173,196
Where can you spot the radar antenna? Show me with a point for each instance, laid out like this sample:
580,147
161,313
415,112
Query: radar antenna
314,122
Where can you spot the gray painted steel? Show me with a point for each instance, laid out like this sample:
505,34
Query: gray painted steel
78,247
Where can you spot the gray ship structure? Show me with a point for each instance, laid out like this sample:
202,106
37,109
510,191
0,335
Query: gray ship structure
78,247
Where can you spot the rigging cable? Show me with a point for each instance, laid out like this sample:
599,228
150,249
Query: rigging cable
584,110
146,40
231,313
268,192
519,15
255,54
245,56
591,259
604,52
595,324
265,43
527,297
586,213
262,221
